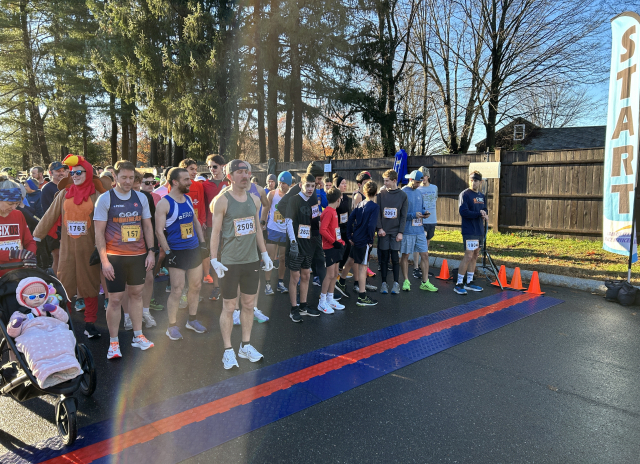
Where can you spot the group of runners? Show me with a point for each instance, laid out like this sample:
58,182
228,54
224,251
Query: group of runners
238,229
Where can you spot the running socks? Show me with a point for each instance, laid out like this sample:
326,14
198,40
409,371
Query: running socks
343,281
192,318
469,277
137,333
461,279
329,296
145,310
323,298
113,339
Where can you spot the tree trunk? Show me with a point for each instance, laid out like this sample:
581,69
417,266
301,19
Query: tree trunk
85,145
262,136
167,151
124,153
114,129
133,143
296,87
425,114
178,155
153,151
287,133
273,61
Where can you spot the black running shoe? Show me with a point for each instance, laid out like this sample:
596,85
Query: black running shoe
294,315
366,301
417,273
309,311
90,330
342,288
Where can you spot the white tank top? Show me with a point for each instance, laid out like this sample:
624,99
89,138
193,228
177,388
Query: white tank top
276,219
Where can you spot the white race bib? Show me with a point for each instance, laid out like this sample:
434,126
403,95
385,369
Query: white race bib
244,226
472,245
77,227
390,213
417,222
11,245
344,217
338,234
315,211
304,231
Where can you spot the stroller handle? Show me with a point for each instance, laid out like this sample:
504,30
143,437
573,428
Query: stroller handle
14,265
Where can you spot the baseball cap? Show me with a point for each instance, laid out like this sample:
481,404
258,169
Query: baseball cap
200,178
415,175
476,176
236,165
425,171
285,177
55,165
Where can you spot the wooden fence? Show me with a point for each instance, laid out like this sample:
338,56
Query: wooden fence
554,192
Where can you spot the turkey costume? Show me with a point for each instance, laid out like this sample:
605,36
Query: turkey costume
73,206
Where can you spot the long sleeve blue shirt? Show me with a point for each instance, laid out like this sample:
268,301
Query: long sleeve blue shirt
362,223
470,204
415,200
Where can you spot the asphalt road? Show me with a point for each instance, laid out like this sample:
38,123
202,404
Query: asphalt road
559,386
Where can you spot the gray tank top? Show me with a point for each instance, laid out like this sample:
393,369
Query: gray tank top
239,245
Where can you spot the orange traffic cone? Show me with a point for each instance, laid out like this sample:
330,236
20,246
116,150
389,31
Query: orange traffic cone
502,277
534,285
516,281
444,271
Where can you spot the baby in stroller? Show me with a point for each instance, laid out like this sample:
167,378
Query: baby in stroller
46,342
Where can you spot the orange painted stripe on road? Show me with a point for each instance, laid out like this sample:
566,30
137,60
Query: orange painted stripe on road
175,422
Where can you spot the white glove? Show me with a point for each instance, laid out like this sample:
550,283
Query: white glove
218,267
268,264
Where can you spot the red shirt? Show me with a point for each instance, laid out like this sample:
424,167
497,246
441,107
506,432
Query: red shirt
329,227
211,190
14,234
196,193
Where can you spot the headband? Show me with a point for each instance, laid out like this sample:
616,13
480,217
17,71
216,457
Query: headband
12,194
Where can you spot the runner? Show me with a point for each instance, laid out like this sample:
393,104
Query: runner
333,246
414,239
16,241
277,231
57,171
343,210
235,220
272,180
37,173
124,239
429,201
328,184
473,210
184,247
196,191
147,185
392,219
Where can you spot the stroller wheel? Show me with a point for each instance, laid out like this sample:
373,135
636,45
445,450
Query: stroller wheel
89,377
66,420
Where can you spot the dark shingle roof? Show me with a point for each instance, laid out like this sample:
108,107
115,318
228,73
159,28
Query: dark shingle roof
566,138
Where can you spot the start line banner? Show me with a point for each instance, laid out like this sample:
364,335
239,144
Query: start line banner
621,147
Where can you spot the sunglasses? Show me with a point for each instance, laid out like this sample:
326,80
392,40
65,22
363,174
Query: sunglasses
76,173
214,166
149,182
37,295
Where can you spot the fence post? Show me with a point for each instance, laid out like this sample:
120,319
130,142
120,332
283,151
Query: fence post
496,197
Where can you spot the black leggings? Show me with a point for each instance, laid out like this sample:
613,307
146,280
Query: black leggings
384,264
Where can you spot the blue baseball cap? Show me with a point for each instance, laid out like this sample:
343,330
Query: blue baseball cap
54,166
415,175
285,177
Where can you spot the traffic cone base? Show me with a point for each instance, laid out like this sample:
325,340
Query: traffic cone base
502,277
516,281
534,285
444,271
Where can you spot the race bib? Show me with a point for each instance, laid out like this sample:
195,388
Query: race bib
277,217
186,230
196,212
11,245
344,217
338,234
244,226
473,245
130,233
416,222
315,211
77,227
304,231
390,213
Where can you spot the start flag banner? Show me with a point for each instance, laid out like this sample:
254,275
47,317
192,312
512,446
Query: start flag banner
621,147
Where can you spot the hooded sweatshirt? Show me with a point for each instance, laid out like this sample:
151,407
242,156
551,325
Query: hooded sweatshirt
362,223
393,211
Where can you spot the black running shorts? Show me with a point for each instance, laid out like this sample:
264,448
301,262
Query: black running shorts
245,275
128,270
333,256
184,259
359,254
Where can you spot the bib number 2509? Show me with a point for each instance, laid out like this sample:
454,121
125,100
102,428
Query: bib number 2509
244,226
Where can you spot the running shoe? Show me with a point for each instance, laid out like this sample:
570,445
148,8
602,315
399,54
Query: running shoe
281,288
366,301
250,353
183,302
370,273
384,288
168,289
127,322
336,296
148,320
294,315
141,342
371,288
428,286
207,279
417,273
316,281
236,317
155,305
174,333
259,316
163,272
80,304
309,311
268,290
215,294
114,351
90,330
325,308
342,288
335,305
196,327
459,289
395,289
229,359
406,285
473,287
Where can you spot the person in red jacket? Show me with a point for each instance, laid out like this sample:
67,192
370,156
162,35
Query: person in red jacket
16,241
212,188
333,246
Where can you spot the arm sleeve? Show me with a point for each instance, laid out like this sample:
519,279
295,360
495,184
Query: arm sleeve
47,198
325,228
464,210
50,217
373,220
101,210
352,219
289,223
202,206
323,199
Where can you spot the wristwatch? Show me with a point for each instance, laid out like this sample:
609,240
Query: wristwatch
154,249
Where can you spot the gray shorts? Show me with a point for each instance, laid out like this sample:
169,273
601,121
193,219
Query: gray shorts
414,244
388,242
472,242
430,230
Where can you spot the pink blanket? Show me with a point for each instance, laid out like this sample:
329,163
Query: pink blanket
49,349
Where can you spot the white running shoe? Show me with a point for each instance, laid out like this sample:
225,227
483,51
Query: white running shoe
229,359
335,305
259,316
128,325
250,353
148,320
141,342
325,308
114,350
236,317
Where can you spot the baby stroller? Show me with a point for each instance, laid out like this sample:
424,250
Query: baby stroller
16,379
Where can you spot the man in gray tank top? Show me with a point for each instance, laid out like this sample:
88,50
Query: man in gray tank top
235,221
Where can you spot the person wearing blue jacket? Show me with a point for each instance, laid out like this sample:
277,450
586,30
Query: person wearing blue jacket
34,195
472,206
